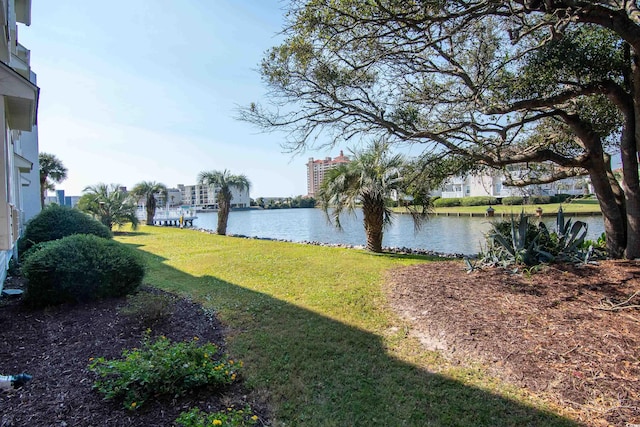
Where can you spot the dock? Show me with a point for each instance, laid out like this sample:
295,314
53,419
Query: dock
172,217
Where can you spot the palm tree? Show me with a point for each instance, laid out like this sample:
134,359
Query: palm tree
109,204
148,190
370,180
223,182
52,171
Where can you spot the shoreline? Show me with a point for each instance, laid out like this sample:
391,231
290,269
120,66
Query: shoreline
389,249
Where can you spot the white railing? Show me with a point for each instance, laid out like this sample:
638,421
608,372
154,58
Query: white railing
168,213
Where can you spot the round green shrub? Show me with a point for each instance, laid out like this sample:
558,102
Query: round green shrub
56,222
561,198
78,268
446,202
539,200
479,201
512,200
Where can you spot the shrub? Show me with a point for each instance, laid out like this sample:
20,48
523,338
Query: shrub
56,222
148,308
512,200
78,268
446,202
560,198
229,418
479,201
162,368
539,200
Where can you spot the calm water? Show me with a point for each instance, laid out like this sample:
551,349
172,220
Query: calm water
439,233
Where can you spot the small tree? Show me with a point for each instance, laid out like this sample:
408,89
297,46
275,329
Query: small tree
109,205
148,190
223,182
52,171
370,180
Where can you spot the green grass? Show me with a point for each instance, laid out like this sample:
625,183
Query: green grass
317,339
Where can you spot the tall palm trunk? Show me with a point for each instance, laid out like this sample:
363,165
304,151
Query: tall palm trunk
223,216
373,210
151,209
150,214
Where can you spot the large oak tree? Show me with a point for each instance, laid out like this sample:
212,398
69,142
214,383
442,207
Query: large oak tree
502,82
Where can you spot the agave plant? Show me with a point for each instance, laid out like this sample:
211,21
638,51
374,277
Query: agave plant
521,246
524,243
570,238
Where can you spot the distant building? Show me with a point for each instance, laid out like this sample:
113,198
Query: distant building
204,196
317,168
61,199
494,184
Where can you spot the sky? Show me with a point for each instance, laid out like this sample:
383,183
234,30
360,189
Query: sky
147,90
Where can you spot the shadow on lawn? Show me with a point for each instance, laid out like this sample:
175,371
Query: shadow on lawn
316,371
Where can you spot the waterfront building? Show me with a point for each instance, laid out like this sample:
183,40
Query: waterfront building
19,178
316,170
204,197
494,183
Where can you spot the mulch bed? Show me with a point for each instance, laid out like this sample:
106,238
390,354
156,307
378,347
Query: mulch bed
54,345
549,331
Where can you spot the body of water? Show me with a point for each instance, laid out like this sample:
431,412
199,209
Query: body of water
444,234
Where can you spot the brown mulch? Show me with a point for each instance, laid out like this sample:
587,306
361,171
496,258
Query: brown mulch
54,346
547,331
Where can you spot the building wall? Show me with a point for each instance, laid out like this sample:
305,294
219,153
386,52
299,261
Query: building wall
19,173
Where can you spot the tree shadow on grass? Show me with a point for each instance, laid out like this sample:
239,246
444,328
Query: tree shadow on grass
129,233
316,371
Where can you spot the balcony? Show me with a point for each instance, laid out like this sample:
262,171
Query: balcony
20,61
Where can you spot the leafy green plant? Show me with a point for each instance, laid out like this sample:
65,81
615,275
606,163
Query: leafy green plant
80,267
148,308
478,201
446,202
55,222
539,200
229,418
162,368
512,200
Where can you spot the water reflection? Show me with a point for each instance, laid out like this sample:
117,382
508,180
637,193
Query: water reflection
440,233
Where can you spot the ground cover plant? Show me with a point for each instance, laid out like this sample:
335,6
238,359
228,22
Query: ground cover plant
55,346
162,368
227,418
317,337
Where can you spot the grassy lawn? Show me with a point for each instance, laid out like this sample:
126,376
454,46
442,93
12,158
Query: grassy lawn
312,327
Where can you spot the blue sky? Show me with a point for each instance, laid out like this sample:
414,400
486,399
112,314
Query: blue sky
146,90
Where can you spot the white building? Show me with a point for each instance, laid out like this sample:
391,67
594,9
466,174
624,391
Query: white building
493,184
204,197
19,178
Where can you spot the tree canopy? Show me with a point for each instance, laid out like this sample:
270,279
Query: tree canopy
500,82
109,205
